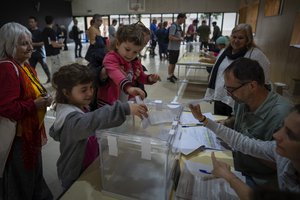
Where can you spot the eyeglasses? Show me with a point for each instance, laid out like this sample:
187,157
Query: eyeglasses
231,90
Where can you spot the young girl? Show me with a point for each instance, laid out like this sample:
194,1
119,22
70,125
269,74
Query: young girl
75,127
123,69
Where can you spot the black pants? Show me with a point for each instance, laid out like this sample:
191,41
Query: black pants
204,44
153,45
39,59
78,47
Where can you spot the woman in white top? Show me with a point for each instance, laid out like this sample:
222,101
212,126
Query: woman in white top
241,45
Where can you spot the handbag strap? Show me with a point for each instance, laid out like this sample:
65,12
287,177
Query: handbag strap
4,61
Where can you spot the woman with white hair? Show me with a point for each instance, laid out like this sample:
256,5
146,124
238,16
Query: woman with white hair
22,99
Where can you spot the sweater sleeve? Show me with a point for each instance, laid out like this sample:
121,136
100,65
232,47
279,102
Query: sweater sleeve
143,78
82,125
113,69
12,105
244,144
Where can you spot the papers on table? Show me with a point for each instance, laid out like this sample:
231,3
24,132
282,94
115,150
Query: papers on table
195,137
187,119
196,182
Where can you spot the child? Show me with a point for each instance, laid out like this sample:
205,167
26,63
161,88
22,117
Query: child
123,69
75,127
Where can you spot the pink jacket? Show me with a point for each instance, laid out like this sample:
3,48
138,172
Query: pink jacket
121,76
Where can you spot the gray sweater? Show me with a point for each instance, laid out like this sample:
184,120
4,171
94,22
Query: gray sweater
72,128
286,172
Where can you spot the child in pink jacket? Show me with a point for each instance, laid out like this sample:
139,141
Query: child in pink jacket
123,69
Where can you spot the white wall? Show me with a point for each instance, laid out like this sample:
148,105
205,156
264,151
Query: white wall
109,7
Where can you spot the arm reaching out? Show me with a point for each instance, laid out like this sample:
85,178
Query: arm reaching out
222,170
139,110
134,91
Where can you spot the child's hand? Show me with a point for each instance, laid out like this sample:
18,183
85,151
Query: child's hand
137,73
134,91
139,110
103,74
154,78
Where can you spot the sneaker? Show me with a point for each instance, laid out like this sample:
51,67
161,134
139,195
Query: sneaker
174,77
171,79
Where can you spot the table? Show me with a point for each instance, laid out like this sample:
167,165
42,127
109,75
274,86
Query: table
190,60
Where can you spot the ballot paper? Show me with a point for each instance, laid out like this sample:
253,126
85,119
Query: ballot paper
145,121
195,137
187,119
194,183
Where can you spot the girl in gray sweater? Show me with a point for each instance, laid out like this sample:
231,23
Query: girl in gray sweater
75,126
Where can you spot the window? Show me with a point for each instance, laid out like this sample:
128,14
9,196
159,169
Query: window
229,22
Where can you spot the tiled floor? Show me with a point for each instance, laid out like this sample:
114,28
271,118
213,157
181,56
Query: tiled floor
163,90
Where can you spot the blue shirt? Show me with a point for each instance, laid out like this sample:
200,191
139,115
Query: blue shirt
153,29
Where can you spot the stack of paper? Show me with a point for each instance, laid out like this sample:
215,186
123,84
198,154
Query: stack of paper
195,184
195,137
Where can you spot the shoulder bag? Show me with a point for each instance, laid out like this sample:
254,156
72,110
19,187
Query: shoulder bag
7,135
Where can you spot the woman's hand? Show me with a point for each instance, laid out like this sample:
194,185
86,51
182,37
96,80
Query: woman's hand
43,102
154,78
196,111
220,169
134,91
139,110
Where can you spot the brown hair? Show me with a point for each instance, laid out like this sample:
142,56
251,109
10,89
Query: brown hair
67,77
128,33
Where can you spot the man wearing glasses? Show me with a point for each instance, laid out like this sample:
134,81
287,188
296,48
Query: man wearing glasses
258,113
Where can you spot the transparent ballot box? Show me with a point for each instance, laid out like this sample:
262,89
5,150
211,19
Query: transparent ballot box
137,161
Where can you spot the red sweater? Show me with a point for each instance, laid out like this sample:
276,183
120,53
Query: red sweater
12,102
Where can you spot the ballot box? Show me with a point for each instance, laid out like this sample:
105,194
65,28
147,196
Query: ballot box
137,160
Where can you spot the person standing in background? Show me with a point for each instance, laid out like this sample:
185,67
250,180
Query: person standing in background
38,55
77,38
191,32
153,29
51,44
203,31
241,45
64,36
175,39
162,38
94,29
217,32
112,30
